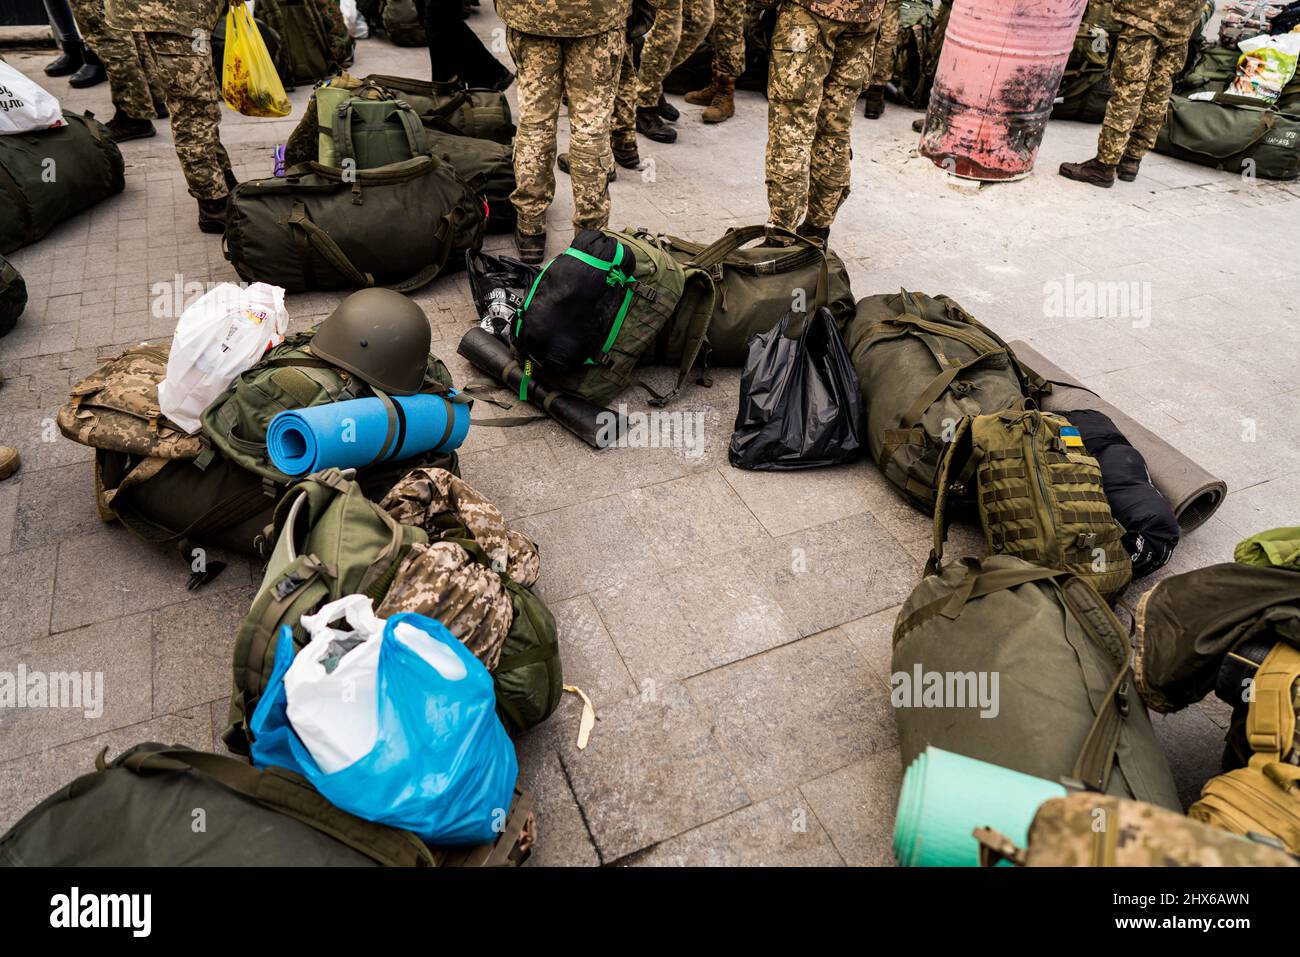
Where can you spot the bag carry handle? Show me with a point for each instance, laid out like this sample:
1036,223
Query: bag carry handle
289,794
713,254
1267,120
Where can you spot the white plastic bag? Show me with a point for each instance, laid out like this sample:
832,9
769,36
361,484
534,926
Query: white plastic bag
25,106
223,333
332,699
358,29
1266,65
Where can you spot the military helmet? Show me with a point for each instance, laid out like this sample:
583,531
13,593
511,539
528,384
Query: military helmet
380,336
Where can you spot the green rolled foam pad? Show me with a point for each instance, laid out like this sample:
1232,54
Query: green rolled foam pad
945,796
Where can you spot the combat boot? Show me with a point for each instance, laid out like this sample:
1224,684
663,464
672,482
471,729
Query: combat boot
875,104
69,61
821,234
704,97
1093,172
562,161
212,215
122,128
532,249
627,157
160,108
9,461
92,72
667,110
650,123
1128,169
723,106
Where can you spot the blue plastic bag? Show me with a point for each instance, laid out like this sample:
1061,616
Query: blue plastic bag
442,765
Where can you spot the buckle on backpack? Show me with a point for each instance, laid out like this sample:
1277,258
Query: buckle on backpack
765,268
289,584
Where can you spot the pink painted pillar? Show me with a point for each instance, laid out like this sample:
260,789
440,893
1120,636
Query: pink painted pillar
998,73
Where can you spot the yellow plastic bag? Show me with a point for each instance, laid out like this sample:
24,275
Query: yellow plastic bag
249,83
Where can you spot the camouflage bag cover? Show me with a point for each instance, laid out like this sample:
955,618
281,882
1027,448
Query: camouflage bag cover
402,23
665,319
88,166
1039,496
757,285
920,37
137,811
1097,830
311,45
1263,797
924,364
330,541
13,296
1066,710
476,576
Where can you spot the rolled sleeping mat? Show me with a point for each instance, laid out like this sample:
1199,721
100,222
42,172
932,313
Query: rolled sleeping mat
596,426
946,796
1192,492
360,432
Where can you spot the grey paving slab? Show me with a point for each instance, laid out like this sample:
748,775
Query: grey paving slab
1194,744
856,805
796,712
193,643
693,517
873,636
26,599
788,502
562,836
589,656
58,505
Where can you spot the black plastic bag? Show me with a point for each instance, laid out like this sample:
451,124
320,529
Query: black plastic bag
800,405
498,286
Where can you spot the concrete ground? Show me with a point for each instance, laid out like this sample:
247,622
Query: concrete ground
732,628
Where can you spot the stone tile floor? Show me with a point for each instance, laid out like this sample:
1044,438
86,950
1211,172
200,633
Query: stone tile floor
732,628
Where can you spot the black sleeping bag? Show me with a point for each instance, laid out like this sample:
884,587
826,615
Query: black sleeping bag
1150,528
572,306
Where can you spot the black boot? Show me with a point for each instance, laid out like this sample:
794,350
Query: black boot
160,108
649,123
92,72
629,158
229,175
212,215
122,128
875,105
1128,168
69,61
1093,172
821,234
532,249
667,110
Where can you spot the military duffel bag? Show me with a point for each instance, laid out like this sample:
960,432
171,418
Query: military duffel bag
657,312
403,23
320,228
140,811
1085,86
489,169
48,176
13,296
1027,668
366,127
1039,496
1212,71
313,40
758,285
1098,830
1230,134
924,364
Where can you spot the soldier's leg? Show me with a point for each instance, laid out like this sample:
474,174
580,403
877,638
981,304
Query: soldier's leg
538,63
116,49
622,132
658,51
728,37
1169,60
1130,74
697,21
193,99
830,170
591,66
800,61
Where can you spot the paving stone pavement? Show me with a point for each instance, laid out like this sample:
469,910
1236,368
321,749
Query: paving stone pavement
732,628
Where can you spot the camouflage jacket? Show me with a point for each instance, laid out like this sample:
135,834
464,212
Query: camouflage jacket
164,16
845,11
1172,20
564,18
441,579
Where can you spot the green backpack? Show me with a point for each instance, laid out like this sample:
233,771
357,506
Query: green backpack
664,319
1064,706
310,45
757,285
367,127
1234,135
1085,86
1212,71
924,364
138,811
1039,496
13,296
402,23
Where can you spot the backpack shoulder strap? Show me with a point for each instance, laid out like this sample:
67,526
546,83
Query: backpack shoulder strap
1271,719
696,307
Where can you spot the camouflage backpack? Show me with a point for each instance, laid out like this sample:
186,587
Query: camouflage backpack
924,364
1039,496
1099,830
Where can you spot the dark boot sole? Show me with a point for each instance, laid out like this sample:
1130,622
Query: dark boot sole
665,136
718,119
137,135
1128,178
1104,184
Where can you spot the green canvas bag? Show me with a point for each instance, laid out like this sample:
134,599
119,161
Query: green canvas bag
1085,86
924,364
1211,72
1065,704
138,811
402,22
915,57
366,127
1039,496
86,167
1230,134
13,296
310,48
758,285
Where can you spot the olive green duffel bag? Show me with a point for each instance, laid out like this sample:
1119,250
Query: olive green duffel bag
758,285
1027,668
1231,134
141,810
320,228
13,296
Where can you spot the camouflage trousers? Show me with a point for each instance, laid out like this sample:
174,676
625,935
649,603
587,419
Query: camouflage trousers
817,72
127,81
583,69
1142,75
885,50
184,75
727,38
680,26
622,130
